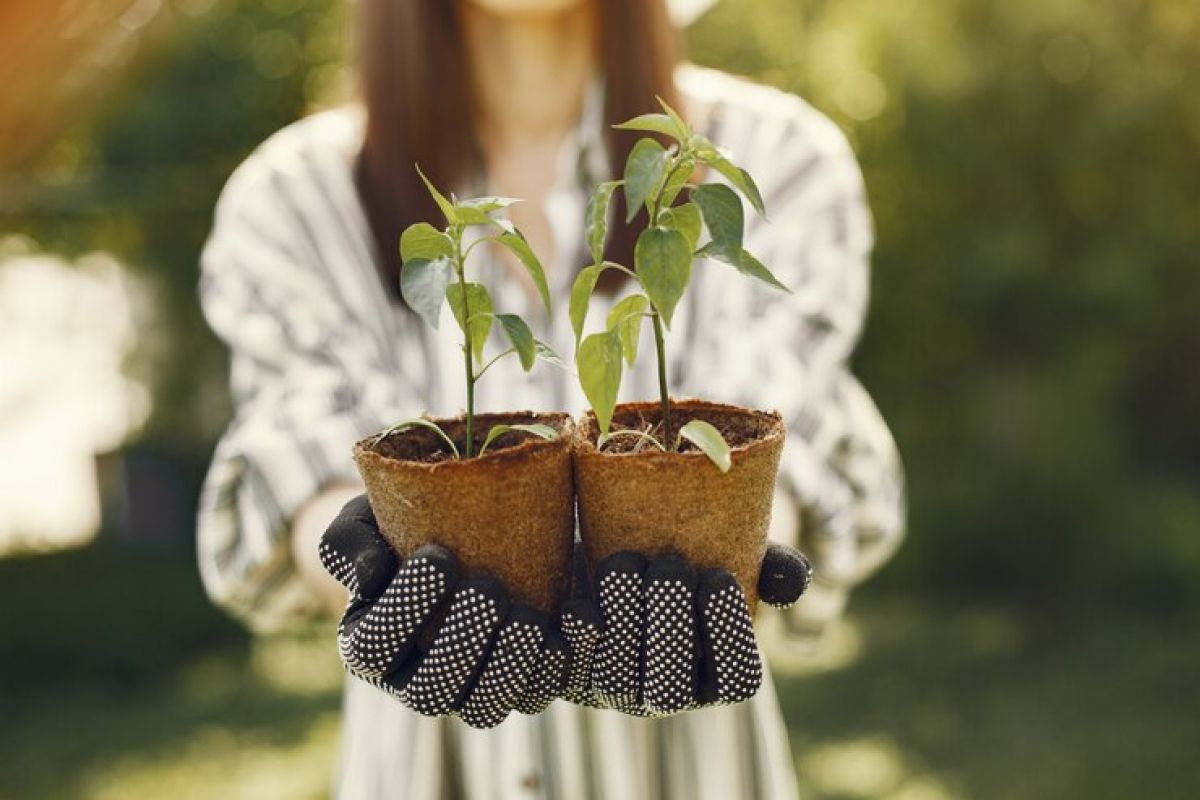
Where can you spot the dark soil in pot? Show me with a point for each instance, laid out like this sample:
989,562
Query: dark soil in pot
509,513
633,496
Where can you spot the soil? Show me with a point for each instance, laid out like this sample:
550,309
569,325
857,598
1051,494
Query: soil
423,446
736,427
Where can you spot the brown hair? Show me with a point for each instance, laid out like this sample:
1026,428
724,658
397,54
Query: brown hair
414,84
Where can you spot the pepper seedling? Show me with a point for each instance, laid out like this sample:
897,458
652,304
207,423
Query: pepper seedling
434,272
656,178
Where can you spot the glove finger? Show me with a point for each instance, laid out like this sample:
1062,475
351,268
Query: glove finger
549,679
377,638
509,666
440,680
616,669
671,659
581,630
730,668
353,551
785,575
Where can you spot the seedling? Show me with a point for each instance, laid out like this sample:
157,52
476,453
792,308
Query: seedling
434,272
655,178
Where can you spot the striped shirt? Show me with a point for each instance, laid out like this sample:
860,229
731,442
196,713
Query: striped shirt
321,357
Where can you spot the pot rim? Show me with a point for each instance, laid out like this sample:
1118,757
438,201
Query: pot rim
531,447
773,437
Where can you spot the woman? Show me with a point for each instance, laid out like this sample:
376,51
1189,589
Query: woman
516,97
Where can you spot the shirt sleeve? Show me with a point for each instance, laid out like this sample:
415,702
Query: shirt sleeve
840,494
307,380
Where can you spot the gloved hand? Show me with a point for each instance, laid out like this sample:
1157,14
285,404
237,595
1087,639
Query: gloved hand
655,637
439,643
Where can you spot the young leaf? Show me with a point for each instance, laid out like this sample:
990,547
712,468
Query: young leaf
596,219
722,212
479,306
544,431
515,242
685,219
581,292
546,353
521,337
599,362
422,240
469,215
445,205
653,123
676,180
709,440
626,319
664,263
423,285
643,172
746,264
685,130
711,155
414,423
488,204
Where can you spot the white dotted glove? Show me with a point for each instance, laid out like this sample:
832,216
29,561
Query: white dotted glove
439,644
656,638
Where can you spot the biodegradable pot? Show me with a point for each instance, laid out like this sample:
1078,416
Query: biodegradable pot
653,502
509,513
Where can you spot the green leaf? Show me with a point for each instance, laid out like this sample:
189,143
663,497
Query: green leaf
599,362
466,215
722,212
515,242
521,337
423,285
417,422
685,219
479,304
625,318
685,130
596,219
676,180
746,264
488,204
422,240
643,172
581,293
546,353
653,123
445,205
664,263
710,154
544,431
710,442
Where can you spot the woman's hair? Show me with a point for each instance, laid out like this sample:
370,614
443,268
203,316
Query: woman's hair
414,84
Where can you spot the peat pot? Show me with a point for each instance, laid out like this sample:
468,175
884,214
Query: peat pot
509,513
639,498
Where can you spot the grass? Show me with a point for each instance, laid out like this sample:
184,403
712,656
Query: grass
909,700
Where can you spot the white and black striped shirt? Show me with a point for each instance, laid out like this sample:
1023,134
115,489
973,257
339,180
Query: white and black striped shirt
321,357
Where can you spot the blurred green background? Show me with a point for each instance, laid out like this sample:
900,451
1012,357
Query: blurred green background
1034,169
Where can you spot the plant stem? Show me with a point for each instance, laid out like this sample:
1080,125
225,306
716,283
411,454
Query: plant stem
660,349
468,357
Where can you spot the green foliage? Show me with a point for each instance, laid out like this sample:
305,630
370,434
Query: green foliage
710,442
434,269
496,431
655,177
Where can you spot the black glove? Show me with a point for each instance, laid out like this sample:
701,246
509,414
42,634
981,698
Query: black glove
440,644
655,638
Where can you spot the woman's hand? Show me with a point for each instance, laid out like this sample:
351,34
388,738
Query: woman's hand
656,638
440,644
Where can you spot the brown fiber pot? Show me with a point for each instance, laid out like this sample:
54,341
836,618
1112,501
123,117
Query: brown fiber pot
509,513
653,502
